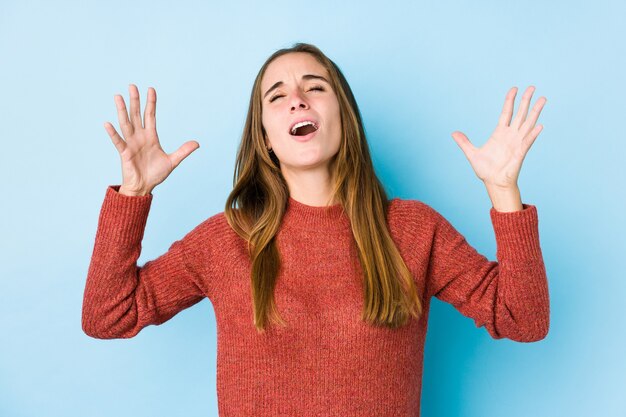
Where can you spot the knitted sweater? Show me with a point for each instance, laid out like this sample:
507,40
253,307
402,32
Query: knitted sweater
327,361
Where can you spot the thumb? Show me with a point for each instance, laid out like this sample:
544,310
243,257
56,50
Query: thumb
464,143
183,152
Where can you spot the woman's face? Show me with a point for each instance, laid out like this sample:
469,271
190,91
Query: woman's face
300,97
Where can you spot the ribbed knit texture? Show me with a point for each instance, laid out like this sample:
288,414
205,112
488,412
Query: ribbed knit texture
327,361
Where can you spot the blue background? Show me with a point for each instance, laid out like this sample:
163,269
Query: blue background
419,71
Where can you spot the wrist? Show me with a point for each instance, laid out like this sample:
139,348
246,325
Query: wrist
133,193
505,199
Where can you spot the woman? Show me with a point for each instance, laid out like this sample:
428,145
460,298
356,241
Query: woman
321,285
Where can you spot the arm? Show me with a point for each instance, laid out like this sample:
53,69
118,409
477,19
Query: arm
121,298
508,296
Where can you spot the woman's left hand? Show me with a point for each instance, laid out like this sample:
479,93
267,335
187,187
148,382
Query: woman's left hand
498,162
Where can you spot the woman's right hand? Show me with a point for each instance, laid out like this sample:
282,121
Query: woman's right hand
144,163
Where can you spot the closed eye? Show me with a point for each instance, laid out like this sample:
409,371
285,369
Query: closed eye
317,87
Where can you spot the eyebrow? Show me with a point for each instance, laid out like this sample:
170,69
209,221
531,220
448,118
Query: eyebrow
304,77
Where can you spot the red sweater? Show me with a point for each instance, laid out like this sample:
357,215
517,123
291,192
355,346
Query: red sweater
327,362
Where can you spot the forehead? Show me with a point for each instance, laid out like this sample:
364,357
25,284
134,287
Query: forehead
291,65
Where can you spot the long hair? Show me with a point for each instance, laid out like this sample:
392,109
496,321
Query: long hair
256,205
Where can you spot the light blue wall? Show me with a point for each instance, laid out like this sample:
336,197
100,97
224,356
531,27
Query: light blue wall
419,70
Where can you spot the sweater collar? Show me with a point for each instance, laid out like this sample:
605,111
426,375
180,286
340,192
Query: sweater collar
327,218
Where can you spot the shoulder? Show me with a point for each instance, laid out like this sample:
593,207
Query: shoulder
413,225
412,221
407,211
211,234
215,223
214,228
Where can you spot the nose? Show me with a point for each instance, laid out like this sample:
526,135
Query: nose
298,101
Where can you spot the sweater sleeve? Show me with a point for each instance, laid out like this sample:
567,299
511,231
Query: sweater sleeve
121,298
508,296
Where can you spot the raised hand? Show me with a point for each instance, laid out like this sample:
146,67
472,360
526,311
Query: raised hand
144,163
498,162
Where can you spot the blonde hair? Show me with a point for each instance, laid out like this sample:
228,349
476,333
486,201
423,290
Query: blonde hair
256,205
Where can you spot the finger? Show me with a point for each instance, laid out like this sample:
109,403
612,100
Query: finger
507,109
534,115
122,116
118,142
135,116
530,138
183,152
149,115
464,143
523,108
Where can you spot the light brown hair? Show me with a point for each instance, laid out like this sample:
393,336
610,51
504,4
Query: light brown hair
255,207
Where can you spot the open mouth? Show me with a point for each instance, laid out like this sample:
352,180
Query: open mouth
303,128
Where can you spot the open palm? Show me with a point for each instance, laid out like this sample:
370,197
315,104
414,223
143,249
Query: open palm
499,160
144,163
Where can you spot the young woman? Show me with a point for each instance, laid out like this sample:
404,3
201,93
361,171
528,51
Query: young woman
320,284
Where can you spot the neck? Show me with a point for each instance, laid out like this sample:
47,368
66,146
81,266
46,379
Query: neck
311,187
